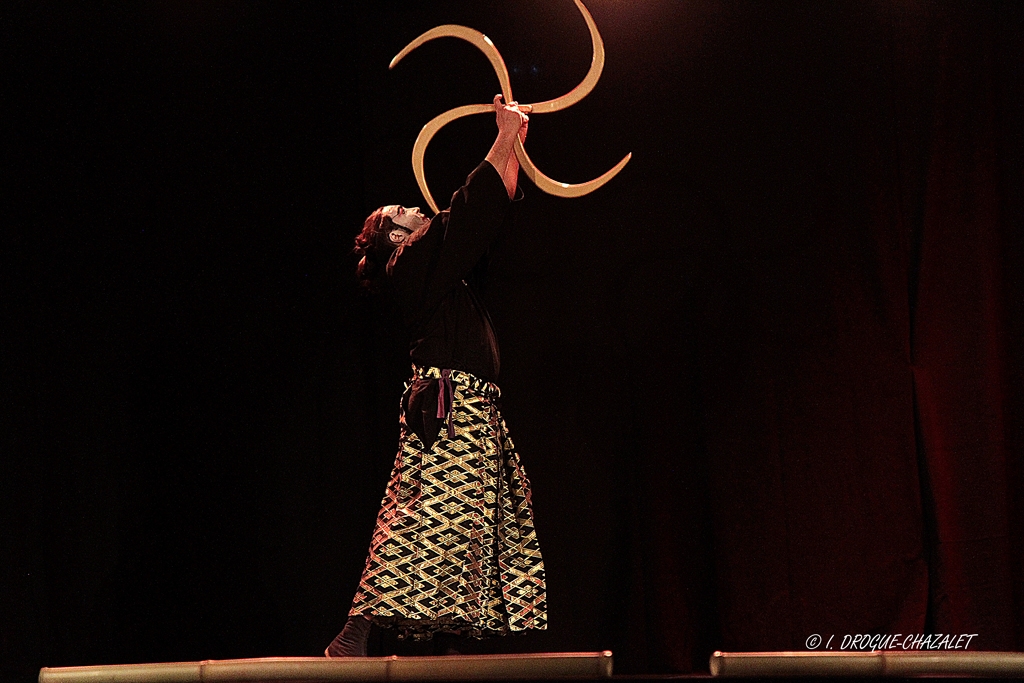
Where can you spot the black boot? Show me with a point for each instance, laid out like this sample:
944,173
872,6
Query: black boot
351,642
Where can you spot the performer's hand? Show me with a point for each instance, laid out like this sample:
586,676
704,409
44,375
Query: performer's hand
511,125
509,117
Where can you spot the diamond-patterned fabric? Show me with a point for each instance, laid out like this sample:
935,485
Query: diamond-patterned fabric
454,548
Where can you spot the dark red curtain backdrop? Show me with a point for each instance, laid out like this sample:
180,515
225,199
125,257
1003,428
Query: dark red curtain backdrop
767,383
838,451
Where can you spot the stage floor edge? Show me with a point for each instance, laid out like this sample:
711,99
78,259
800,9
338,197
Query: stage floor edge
521,667
882,663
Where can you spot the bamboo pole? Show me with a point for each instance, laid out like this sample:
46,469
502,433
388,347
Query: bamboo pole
548,665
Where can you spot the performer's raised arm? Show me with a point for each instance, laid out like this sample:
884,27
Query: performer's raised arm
511,174
512,123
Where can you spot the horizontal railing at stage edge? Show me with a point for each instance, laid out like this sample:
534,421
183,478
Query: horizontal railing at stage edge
522,667
882,663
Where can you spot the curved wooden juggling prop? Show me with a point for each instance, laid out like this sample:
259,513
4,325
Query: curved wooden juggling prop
484,44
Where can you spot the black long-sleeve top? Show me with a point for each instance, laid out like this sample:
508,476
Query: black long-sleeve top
439,274
438,277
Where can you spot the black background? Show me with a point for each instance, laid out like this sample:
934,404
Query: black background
199,410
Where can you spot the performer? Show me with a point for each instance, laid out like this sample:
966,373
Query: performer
454,549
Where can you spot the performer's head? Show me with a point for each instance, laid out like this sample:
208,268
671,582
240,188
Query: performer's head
384,230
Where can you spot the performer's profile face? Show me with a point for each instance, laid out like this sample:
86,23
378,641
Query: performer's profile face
410,219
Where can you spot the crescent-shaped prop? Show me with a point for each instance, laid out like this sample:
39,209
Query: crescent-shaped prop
471,36
565,189
419,148
484,44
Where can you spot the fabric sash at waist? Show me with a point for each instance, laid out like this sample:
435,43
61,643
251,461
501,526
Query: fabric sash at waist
474,383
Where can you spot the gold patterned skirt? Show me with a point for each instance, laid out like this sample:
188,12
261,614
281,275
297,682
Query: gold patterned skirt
454,549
